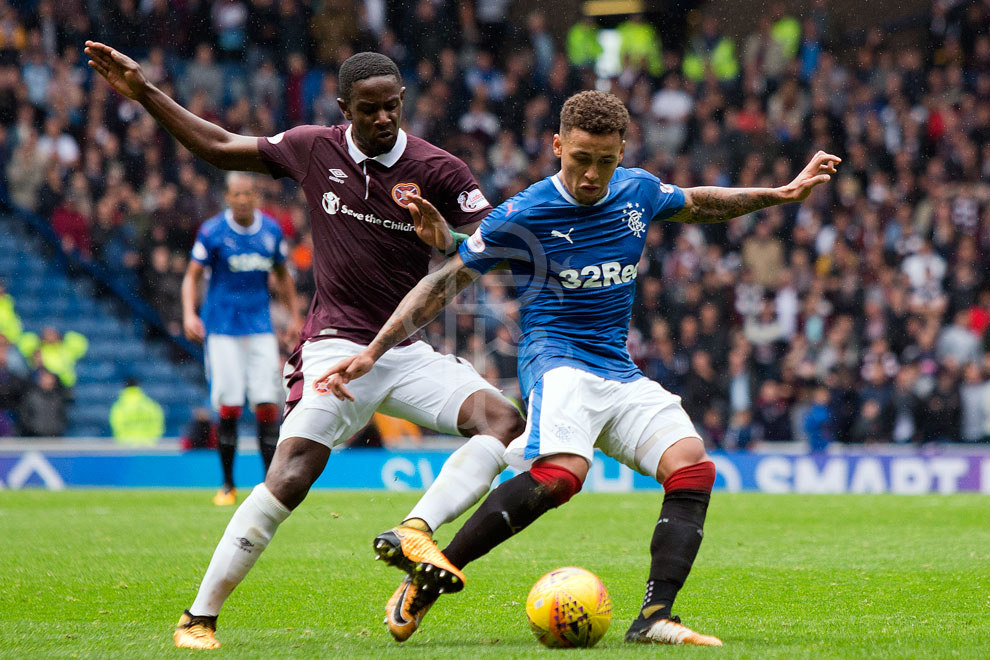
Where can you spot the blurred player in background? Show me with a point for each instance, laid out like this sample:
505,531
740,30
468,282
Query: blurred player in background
240,246
367,255
573,242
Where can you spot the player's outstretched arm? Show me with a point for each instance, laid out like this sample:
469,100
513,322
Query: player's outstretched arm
420,306
715,204
216,146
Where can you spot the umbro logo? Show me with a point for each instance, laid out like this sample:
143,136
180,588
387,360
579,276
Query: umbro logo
244,544
337,176
566,237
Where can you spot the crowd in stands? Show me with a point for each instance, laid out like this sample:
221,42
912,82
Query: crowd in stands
859,316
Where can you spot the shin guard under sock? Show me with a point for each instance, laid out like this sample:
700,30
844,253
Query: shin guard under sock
677,536
508,509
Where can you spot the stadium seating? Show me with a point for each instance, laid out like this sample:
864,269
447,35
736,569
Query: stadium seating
45,295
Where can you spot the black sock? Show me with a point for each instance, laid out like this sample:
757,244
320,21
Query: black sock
675,544
509,509
227,445
267,441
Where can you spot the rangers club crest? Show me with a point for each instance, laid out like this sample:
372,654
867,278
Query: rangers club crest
401,191
634,219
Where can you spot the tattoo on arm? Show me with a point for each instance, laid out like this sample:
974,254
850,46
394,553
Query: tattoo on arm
715,204
424,302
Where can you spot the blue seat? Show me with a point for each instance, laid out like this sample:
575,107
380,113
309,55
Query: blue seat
96,370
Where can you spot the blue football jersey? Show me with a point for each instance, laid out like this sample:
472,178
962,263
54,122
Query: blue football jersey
239,259
574,268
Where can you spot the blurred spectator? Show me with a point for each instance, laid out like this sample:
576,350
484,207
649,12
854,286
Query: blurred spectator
395,431
10,322
135,418
26,171
711,53
640,49
583,48
816,422
974,399
54,352
957,344
42,409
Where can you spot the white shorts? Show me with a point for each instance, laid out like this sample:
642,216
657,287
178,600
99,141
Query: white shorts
573,411
242,365
412,382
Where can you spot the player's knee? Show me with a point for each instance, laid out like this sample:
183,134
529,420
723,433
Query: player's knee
560,483
683,453
266,413
507,423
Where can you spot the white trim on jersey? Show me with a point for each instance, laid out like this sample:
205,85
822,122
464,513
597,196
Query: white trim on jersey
559,185
250,230
388,159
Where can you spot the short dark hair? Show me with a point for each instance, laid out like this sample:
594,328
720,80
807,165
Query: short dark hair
364,65
596,112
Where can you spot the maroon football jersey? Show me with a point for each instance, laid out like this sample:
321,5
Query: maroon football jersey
366,255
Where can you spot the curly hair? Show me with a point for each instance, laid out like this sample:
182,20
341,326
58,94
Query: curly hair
365,65
595,112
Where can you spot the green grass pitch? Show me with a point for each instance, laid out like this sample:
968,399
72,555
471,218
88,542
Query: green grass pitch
100,574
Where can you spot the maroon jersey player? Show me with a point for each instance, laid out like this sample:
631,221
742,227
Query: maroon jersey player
369,251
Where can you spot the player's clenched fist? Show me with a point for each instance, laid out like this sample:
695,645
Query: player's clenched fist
123,73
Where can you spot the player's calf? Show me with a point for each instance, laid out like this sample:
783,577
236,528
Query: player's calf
511,508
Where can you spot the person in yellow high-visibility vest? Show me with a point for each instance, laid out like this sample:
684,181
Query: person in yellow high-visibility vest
711,51
10,322
135,418
59,354
640,46
582,45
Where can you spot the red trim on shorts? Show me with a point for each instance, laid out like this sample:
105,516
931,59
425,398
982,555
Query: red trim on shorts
561,482
230,412
699,477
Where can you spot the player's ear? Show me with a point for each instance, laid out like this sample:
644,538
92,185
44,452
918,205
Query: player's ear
344,108
402,94
622,151
557,146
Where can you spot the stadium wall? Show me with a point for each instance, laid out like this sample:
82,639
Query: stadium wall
944,472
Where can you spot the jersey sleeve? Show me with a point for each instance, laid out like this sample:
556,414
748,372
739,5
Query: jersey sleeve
666,199
288,154
496,240
457,195
200,252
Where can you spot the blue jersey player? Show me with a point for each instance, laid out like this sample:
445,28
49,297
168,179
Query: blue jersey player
573,242
240,246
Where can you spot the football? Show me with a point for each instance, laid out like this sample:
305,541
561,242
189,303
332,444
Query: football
569,607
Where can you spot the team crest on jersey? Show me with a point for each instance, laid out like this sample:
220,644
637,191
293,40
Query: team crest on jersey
321,387
401,192
471,201
633,215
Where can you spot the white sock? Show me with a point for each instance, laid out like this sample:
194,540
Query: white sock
246,536
465,477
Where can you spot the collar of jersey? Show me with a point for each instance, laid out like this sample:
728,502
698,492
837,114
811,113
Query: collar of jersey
253,228
558,184
388,159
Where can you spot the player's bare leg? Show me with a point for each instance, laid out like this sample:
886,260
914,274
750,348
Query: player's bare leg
687,476
296,465
492,422
506,511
